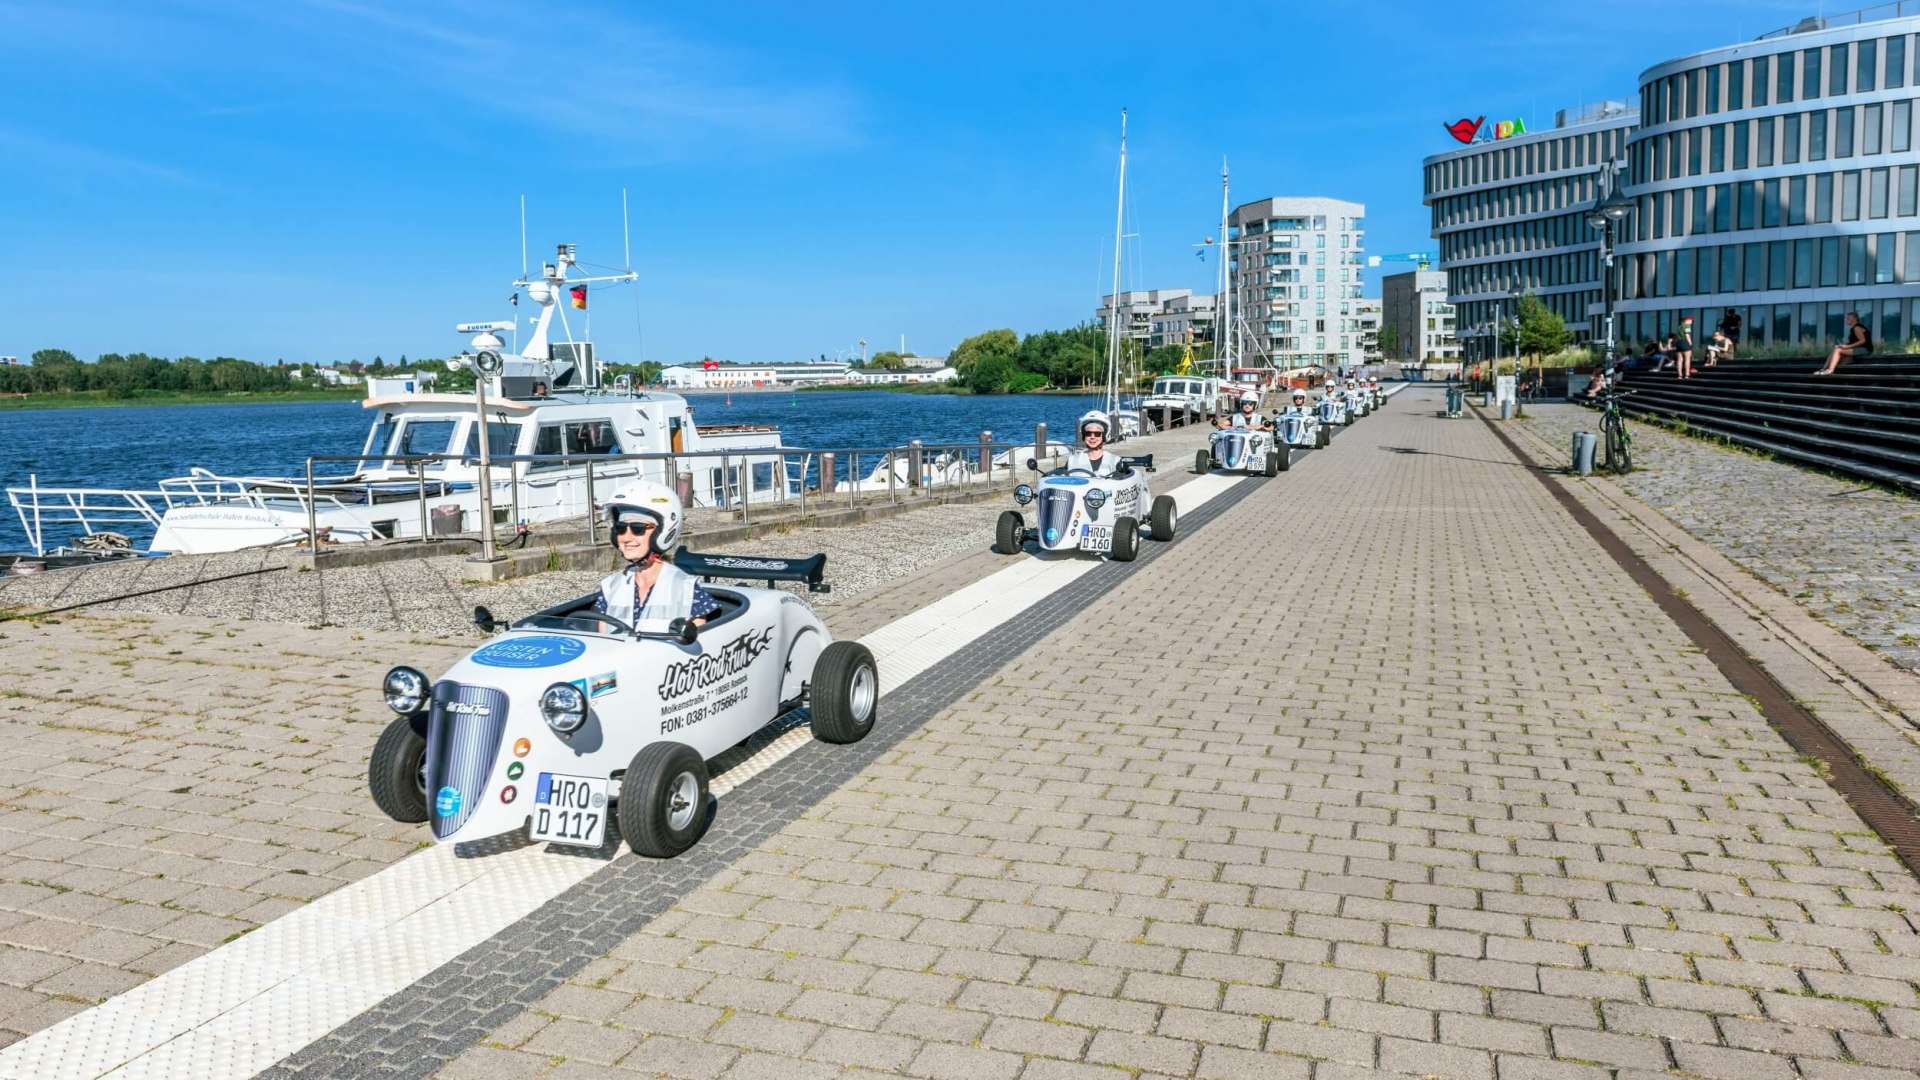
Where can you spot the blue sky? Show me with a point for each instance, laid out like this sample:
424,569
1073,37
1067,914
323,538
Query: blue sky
324,180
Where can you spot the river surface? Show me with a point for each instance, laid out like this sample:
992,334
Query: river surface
136,446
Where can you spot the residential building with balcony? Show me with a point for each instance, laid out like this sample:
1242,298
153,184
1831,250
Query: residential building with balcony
1296,271
1159,317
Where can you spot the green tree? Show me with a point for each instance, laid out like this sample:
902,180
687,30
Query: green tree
888,360
1540,333
1389,341
993,373
53,356
970,352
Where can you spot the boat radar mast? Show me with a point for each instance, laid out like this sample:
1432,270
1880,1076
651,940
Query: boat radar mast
554,280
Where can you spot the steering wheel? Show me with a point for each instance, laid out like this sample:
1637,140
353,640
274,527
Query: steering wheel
1079,472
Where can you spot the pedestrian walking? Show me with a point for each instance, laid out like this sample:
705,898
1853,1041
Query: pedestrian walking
1683,349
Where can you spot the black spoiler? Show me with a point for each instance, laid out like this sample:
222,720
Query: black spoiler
1139,461
808,571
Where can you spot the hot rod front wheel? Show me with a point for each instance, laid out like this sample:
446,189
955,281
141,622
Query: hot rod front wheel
663,799
1010,533
398,772
845,695
1203,462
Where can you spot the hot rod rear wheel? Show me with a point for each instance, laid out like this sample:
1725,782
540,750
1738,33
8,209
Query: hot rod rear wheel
845,695
397,773
1322,435
1202,462
1126,538
1010,535
1164,518
663,799
1283,458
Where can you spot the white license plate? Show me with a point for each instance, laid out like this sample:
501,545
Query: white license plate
570,809
1097,538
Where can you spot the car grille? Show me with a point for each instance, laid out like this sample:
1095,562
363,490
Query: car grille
463,741
1230,449
1291,428
1056,514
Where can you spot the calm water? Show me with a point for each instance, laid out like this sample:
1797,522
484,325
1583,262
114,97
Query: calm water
134,447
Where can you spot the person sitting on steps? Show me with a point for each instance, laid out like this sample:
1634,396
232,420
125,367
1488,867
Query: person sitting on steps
1856,343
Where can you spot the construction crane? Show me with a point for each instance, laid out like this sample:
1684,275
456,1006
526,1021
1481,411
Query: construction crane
1421,259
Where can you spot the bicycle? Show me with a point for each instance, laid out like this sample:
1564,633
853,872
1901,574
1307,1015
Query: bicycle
1613,428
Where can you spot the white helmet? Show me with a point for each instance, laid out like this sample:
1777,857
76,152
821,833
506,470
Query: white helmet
652,501
1094,417
1250,399
1299,393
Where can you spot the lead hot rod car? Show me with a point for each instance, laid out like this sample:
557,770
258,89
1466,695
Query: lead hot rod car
1079,511
570,716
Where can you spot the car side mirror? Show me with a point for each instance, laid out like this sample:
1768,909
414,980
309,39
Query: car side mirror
683,631
484,619
1033,464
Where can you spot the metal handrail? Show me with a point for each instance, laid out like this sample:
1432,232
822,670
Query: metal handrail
923,472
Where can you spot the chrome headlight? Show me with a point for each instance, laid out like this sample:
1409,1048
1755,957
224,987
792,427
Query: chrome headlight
406,690
1096,498
1023,494
564,707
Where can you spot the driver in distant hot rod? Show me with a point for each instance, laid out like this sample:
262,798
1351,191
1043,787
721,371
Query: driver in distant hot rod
1093,435
643,522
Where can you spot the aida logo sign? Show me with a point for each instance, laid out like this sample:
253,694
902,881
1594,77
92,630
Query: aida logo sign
1472,131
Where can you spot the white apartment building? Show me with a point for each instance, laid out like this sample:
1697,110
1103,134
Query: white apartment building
1159,317
1416,306
1369,308
1296,280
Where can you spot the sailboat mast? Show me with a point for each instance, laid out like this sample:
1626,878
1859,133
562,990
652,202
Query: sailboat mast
1223,309
1113,332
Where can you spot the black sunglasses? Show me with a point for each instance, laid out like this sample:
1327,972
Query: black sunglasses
640,528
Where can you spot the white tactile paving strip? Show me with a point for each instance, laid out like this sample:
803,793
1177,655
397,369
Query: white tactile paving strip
252,1002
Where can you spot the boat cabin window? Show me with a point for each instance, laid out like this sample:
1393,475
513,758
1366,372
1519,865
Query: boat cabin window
575,437
378,440
420,437
502,439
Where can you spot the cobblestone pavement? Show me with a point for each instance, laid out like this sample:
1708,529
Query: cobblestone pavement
1405,806
172,784
1848,551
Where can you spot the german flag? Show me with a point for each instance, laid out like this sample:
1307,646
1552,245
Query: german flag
579,294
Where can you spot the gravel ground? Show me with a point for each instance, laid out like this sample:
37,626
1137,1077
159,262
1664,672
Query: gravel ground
1847,550
428,596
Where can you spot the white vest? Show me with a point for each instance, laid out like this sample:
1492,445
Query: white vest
1109,461
671,598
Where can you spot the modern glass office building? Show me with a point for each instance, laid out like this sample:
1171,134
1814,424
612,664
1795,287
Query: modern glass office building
1510,216
1778,178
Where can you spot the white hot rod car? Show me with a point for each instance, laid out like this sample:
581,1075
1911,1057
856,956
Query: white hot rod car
1077,510
570,716
1243,449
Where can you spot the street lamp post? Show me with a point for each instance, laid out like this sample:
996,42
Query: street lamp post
1611,208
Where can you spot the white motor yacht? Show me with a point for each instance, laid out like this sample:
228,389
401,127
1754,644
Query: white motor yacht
419,472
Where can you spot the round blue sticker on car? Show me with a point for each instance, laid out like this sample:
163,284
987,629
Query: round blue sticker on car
447,803
534,651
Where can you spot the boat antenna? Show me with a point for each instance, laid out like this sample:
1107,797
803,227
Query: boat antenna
523,237
1223,307
626,236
